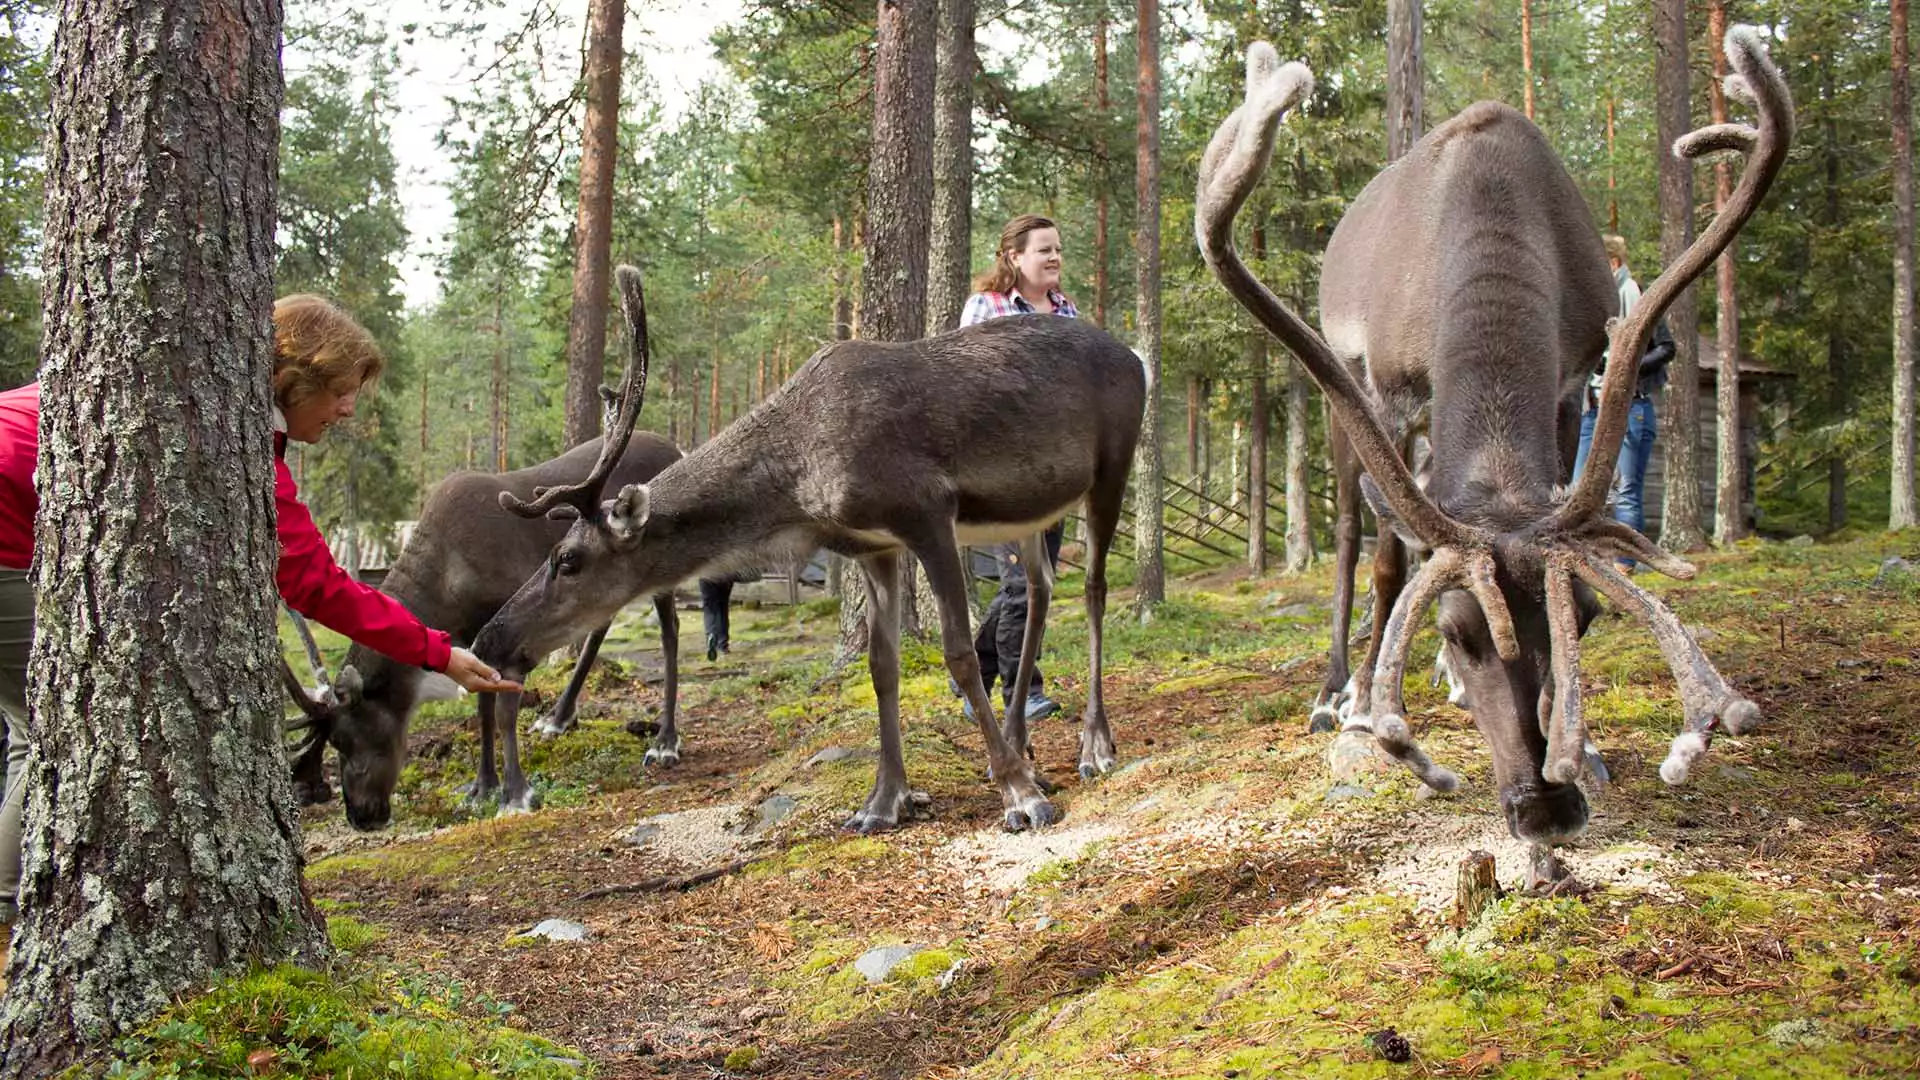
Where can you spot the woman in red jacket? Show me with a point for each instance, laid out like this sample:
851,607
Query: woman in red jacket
322,359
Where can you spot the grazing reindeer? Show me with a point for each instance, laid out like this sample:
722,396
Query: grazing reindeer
872,450
1468,276
465,559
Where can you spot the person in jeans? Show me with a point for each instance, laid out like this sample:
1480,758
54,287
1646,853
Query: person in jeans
1636,448
1023,280
322,357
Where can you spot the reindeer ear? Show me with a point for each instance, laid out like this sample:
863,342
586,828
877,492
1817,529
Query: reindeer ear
1389,519
348,686
626,513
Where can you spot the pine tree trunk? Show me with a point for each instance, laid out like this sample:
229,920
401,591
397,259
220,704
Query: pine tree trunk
593,227
156,716
952,245
893,300
1405,77
1149,483
1257,430
1904,513
1839,373
1193,430
1526,52
1680,418
1100,200
1730,517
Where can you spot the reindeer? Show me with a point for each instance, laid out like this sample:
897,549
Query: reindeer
1468,279
872,450
465,559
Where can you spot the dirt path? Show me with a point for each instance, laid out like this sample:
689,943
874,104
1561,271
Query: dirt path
1217,907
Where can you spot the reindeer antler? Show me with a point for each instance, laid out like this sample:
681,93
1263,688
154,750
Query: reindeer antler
1232,167
1759,82
316,719
583,499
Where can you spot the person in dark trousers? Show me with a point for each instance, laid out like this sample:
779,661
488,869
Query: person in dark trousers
1024,280
1636,448
716,596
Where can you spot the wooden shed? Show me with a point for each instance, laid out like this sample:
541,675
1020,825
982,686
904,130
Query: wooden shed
1756,380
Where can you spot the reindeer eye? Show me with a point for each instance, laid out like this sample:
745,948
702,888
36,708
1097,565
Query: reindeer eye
566,563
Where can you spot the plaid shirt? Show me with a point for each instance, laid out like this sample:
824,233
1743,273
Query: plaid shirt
982,306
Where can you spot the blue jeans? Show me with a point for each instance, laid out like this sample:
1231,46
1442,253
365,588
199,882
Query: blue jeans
1636,450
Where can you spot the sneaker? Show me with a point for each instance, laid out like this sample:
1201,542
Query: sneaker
1040,706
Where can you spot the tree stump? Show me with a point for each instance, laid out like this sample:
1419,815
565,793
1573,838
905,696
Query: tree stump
1476,890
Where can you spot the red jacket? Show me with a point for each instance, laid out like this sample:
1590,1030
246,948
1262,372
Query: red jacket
309,580
19,449
314,585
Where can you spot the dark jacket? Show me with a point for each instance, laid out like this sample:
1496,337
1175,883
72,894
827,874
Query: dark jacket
1653,367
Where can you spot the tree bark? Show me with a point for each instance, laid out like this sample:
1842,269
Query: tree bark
952,245
893,301
1730,517
593,227
1149,484
1405,77
1100,199
893,304
1839,373
1257,430
162,844
1904,513
1680,419
1526,52
1193,431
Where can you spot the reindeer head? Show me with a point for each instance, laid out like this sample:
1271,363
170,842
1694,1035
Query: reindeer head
597,567
1513,588
368,732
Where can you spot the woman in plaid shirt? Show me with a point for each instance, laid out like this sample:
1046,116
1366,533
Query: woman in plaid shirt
1024,280
1025,276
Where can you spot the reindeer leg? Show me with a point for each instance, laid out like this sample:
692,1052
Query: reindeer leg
1336,692
1389,578
516,796
1097,752
890,799
485,781
1389,711
1021,789
1039,593
561,720
665,750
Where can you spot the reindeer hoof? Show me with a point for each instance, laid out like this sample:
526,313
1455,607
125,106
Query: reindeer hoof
524,803
1597,774
866,824
552,727
664,756
1322,720
1036,814
312,794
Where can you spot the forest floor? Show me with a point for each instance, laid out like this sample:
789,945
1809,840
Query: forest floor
1218,907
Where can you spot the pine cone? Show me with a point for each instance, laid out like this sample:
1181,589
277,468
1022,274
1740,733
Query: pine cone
1392,1045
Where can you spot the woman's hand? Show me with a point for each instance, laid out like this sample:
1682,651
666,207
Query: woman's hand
476,675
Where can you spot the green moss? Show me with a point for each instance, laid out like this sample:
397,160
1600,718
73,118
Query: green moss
356,1022
742,1059
1549,982
925,964
853,851
350,935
